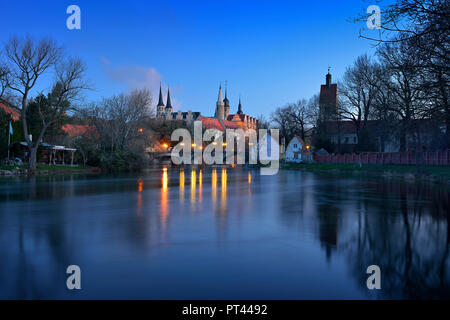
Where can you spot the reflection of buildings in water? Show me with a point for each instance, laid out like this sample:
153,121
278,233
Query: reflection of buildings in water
139,197
193,185
164,199
214,188
181,185
328,219
200,186
401,231
223,198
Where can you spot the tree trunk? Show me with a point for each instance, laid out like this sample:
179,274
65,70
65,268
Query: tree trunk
32,160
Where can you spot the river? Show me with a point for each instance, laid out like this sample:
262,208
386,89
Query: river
223,234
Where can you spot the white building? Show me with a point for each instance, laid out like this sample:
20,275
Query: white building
295,150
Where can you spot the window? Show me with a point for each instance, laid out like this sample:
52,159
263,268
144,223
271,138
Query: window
295,145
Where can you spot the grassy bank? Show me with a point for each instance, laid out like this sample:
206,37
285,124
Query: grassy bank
48,169
441,173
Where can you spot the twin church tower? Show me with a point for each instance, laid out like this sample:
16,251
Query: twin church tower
223,106
221,114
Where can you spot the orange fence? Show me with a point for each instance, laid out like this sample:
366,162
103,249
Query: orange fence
436,158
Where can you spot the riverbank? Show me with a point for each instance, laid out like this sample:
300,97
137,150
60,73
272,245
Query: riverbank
18,170
438,174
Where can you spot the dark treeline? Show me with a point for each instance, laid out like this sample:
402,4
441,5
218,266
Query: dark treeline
403,84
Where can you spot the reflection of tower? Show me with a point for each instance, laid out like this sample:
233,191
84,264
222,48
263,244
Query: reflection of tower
220,106
328,217
160,108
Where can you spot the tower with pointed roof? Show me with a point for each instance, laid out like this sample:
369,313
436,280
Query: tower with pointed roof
169,108
160,108
239,107
226,104
220,106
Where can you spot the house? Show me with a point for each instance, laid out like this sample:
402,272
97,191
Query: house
296,150
15,115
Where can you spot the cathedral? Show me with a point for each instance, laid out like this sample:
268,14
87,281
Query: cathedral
165,112
222,119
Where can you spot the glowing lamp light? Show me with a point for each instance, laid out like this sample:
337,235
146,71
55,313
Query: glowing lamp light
224,144
165,145
307,147
141,130
214,143
193,145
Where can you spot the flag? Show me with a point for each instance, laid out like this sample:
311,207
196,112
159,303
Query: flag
10,128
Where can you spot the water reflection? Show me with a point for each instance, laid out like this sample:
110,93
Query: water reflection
164,205
193,185
303,235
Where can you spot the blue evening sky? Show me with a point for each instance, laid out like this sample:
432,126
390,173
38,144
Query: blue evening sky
270,52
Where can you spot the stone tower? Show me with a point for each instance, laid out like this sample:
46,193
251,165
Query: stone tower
328,100
220,107
160,108
169,108
226,104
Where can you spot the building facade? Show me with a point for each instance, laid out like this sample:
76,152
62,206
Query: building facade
165,111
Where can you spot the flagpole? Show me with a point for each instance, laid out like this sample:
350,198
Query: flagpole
9,137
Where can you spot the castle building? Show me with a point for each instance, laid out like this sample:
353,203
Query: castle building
223,120
165,112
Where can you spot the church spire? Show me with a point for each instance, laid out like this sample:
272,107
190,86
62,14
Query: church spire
240,107
220,108
219,98
160,102
169,102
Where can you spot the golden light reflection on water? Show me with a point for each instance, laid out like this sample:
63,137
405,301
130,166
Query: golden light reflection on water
164,198
223,198
214,186
139,196
182,185
193,185
200,185
249,178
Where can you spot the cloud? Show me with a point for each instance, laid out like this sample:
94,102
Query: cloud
138,77
133,76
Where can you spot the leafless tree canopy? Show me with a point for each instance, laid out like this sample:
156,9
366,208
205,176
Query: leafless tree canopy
26,61
118,119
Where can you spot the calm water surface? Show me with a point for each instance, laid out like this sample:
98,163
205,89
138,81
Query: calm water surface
223,234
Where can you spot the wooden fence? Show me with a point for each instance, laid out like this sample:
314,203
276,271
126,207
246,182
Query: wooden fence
436,158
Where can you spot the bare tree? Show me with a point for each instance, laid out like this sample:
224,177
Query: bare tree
358,91
295,118
4,80
404,80
27,60
119,119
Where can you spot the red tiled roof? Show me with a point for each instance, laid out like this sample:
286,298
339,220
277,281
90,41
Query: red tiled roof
14,114
210,123
214,123
76,130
